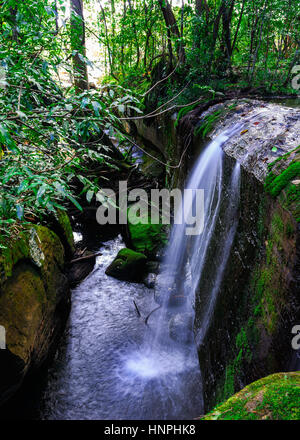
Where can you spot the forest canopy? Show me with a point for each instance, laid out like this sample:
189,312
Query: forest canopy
73,71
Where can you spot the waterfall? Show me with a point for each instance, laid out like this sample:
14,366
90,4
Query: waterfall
168,360
186,255
230,221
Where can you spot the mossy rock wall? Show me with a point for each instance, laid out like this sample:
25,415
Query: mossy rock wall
276,397
161,138
258,303
34,303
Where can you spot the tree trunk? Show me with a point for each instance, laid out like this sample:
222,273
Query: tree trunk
171,24
215,33
259,42
78,45
138,55
226,21
109,52
200,7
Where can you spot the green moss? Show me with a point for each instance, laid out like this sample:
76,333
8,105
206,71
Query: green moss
275,184
65,231
279,181
130,256
39,245
183,111
283,158
210,120
229,382
276,397
293,200
267,285
147,237
246,340
11,253
208,123
128,265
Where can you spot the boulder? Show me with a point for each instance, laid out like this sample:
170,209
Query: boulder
152,267
270,131
128,265
79,270
34,303
59,222
150,280
146,236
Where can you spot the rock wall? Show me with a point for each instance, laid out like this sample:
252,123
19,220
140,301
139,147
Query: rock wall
34,302
258,302
275,397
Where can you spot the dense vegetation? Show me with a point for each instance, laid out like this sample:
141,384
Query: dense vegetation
181,52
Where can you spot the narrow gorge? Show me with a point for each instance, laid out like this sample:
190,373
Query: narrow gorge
224,301
149,214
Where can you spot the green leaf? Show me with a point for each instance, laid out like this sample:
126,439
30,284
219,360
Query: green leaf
74,201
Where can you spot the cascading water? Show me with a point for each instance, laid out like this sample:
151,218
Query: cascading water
169,348
112,365
230,221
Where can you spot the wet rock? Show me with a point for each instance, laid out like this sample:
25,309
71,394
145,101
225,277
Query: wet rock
81,269
34,303
150,280
152,267
128,265
181,328
269,131
146,237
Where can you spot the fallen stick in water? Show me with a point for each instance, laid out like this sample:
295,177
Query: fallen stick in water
86,257
137,309
154,310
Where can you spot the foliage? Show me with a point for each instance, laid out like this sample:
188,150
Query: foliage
226,43
48,132
49,128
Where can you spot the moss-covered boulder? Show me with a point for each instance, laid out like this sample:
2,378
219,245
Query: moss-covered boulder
275,397
128,265
34,303
146,236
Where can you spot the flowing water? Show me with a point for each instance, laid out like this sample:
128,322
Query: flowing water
112,365
100,371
